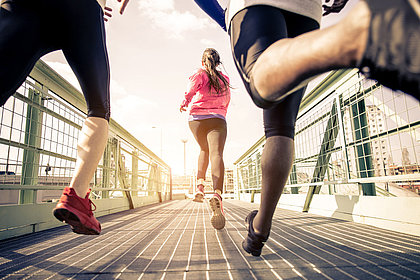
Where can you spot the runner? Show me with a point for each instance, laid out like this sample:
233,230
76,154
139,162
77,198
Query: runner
30,29
276,46
209,96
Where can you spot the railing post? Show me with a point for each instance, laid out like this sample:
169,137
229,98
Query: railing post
122,176
170,184
114,148
258,175
134,172
341,131
363,150
151,183
238,184
106,174
33,132
159,182
324,155
293,180
250,174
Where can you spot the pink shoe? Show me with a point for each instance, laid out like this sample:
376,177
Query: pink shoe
77,212
218,219
199,194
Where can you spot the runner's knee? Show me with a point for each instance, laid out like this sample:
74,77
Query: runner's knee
100,112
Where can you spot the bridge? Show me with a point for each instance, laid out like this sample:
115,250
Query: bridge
350,209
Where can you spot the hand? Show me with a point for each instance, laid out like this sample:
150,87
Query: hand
182,109
336,7
107,13
124,4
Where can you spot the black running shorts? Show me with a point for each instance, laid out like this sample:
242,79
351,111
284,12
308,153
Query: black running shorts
30,29
253,30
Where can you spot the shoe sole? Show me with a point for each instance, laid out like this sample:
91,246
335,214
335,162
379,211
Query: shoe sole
64,215
218,220
254,253
199,198
393,61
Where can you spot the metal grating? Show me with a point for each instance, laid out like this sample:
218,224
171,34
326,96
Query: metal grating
175,240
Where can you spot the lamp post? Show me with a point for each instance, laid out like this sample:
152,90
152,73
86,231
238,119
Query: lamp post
161,140
185,140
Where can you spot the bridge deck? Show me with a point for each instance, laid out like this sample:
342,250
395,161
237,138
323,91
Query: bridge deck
175,240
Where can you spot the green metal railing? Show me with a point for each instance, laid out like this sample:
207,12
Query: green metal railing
39,129
353,137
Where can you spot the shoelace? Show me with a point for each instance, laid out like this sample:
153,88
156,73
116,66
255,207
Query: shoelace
91,210
91,203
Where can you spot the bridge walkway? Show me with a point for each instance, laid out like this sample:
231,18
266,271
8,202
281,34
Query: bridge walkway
175,240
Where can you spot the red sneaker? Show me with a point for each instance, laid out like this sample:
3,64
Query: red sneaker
218,219
77,212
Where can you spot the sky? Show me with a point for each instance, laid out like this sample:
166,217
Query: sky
153,48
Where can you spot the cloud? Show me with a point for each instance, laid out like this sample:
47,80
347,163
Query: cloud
123,103
208,43
117,90
64,70
131,109
164,16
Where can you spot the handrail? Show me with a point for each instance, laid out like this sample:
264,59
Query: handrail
357,114
47,113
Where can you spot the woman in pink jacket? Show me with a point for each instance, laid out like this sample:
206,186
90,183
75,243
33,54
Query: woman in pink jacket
208,98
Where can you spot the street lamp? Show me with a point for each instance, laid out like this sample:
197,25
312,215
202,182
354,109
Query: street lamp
185,140
161,140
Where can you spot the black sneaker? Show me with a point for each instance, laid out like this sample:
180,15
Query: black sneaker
253,243
392,55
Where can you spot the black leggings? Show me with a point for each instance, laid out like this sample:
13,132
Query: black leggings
30,29
211,137
252,31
